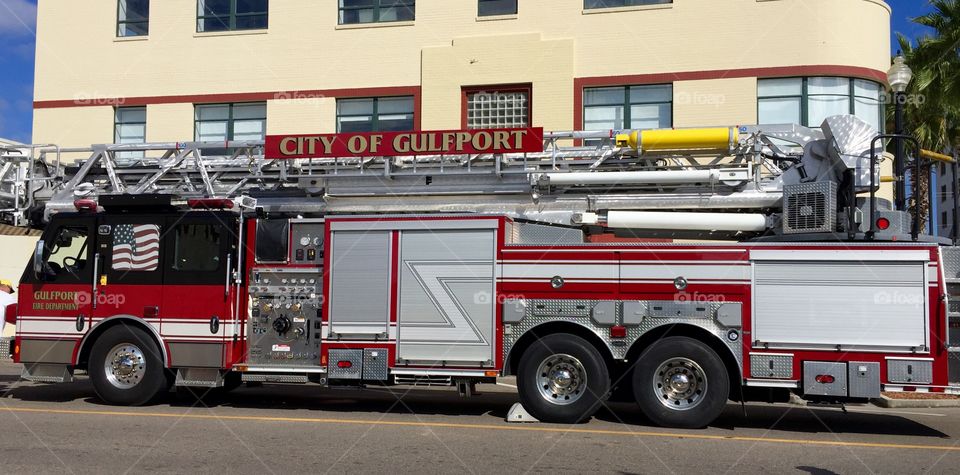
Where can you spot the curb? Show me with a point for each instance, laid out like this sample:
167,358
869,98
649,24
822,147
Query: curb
890,403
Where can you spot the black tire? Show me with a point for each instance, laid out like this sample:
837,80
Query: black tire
574,403
702,388
148,377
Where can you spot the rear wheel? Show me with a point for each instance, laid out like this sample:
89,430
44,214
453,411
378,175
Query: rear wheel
126,367
681,382
562,378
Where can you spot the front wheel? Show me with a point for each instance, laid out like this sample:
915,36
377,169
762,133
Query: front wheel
562,378
681,382
126,367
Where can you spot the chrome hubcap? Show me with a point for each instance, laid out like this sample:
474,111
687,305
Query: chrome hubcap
680,383
561,379
125,366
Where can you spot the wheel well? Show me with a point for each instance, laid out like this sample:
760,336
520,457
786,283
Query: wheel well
90,340
696,333
513,359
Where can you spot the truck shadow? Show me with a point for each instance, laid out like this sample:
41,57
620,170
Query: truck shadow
493,402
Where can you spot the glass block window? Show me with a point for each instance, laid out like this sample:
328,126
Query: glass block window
376,11
375,114
231,15
133,18
130,126
498,108
628,107
496,7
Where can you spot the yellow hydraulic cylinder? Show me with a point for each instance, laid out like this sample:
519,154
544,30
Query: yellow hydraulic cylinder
664,140
936,156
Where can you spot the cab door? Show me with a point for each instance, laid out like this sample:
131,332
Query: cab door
55,303
199,313
130,271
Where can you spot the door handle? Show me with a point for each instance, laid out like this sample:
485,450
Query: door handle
214,324
81,322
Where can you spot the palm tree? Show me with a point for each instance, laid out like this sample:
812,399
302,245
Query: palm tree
933,109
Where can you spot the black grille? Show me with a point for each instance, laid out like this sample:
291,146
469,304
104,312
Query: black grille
806,211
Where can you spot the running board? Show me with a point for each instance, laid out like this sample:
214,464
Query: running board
199,377
47,373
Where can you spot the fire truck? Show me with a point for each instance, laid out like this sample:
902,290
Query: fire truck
685,268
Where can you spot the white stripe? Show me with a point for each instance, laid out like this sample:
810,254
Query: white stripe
567,271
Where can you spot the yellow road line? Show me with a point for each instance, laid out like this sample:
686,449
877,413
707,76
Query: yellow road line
522,428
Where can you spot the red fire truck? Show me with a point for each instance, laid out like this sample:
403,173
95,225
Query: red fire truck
463,266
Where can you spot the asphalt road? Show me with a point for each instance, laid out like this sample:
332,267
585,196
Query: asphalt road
295,429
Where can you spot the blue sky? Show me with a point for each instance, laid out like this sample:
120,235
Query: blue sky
18,23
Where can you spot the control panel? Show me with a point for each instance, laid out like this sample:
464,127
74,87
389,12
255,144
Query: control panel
307,237
284,327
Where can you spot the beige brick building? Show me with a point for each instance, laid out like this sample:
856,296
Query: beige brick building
177,70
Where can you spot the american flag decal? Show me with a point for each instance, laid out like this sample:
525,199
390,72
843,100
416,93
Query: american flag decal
136,247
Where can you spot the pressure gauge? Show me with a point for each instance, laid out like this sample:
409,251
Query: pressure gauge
316,241
305,241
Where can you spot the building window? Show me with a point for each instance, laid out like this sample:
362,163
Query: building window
130,126
496,7
594,4
133,18
376,11
375,114
225,122
497,107
231,15
630,107
808,101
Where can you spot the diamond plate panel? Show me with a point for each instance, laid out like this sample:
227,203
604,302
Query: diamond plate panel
951,262
526,233
910,371
810,207
771,366
374,364
561,308
355,357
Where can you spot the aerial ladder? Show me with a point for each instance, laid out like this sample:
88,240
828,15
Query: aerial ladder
771,181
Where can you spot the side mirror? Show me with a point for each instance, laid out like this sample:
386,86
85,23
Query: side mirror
38,260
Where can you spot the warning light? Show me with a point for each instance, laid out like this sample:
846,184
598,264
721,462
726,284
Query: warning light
85,206
883,224
344,364
210,203
825,379
618,331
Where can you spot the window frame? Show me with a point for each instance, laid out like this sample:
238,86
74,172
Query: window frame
652,2
375,113
60,222
116,131
233,15
497,88
805,98
626,104
230,118
377,6
480,14
120,22
228,242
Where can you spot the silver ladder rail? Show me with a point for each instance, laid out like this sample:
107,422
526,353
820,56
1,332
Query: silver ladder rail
519,183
